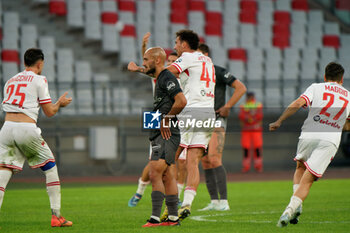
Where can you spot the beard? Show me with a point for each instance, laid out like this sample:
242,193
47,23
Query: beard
151,71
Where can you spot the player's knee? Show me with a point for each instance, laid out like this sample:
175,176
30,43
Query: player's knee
48,166
215,161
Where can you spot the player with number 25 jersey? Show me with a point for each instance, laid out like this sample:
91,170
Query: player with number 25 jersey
25,92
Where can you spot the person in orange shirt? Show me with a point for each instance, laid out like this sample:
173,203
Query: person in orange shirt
251,115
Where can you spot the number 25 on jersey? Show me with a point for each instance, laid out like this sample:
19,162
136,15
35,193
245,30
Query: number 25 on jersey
15,96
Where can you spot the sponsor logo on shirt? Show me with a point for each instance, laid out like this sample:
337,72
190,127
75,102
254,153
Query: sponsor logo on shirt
170,85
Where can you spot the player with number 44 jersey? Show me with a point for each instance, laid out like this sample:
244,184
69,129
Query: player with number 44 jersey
329,109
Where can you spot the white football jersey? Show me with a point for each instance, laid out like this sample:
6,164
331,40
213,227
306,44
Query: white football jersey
197,78
329,109
24,93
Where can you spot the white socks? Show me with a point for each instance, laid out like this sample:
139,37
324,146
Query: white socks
5,176
142,187
295,187
53,188
189,195
180,187
294,203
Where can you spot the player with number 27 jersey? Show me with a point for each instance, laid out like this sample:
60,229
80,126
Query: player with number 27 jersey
329,109
24,93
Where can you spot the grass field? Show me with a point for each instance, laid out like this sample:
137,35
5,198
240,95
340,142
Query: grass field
255,207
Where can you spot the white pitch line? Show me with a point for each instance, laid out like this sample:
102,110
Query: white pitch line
208,218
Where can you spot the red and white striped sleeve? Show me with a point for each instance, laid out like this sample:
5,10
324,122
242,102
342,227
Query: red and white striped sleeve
308,95
183,63
43,92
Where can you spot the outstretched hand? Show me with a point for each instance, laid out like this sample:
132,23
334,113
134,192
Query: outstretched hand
63,100
133,67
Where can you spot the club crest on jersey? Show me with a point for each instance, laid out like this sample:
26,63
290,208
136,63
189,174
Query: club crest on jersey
170,85
227,75
151,120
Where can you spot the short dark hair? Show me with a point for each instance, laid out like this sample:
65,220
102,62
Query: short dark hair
334,72
190,37
32,55
172,54
204,48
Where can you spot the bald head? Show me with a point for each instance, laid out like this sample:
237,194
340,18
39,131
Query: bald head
156,52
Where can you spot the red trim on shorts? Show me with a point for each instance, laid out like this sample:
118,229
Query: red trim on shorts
43,164
53,183
177,67
2,189
311,171
187,72
197,146
183,145
190,188
11,166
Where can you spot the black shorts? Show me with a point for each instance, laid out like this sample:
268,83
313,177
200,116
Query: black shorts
165,149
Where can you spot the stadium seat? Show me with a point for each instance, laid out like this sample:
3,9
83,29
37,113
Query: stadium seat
92,20
110,34
273,99
282,17
48,45
127,10
10,31
121,101
281,42
331,41
247,36
83,72
65,61
299,17
214,6
289,95
300,5
10,56
28,39
58,7
264,36
9,69
342,4
75,13
249,5
128,44
236,67
237,54
85,100
283,5
331,28
230,36
248,17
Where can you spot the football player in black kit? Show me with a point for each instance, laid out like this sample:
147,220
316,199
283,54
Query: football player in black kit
168,102
214,171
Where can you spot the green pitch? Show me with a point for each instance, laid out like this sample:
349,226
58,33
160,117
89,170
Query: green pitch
255,207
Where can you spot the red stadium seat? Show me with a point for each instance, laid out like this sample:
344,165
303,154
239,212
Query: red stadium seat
179,5
342,5
168,51
238,54
248,17
280,42
109,17
201,40
57,7
300,5
125,5
129,30
10,56
249,5
331,41
213,30
195,5
213,18
178,17
281,30
282,17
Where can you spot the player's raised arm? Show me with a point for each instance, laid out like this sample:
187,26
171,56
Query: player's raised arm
51,109
290,110
145,40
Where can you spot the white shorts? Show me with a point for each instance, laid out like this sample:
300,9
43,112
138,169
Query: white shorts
316,155
20,142
183,154
196,137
